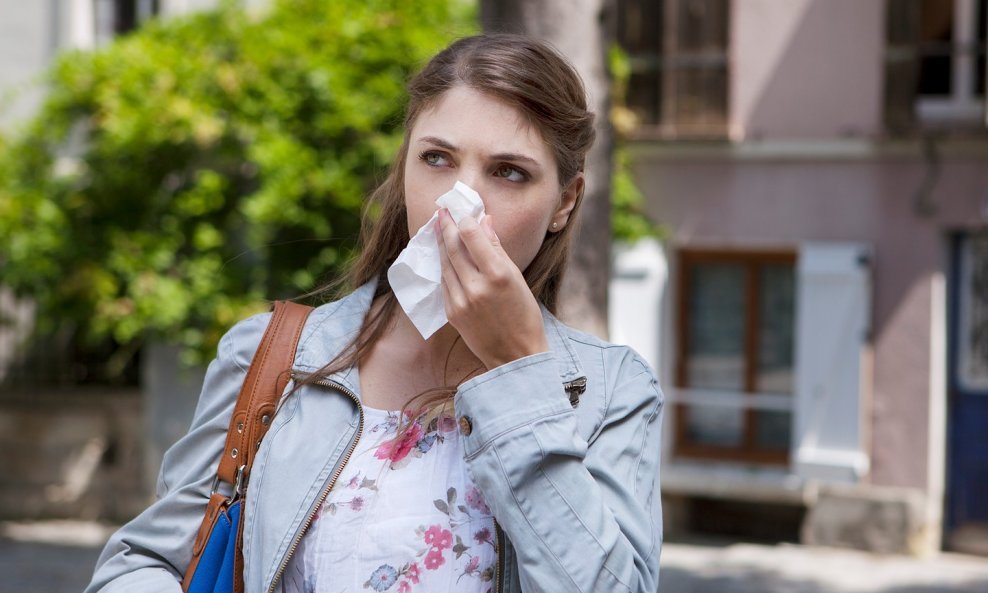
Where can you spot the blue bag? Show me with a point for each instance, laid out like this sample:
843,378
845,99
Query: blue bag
215,571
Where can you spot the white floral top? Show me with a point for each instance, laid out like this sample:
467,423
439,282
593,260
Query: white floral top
403,516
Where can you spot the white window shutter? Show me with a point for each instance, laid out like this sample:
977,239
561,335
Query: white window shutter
832,324
638,278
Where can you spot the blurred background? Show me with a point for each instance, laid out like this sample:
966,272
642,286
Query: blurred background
787,215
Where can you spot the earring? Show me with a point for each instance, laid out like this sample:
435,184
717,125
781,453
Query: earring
554,225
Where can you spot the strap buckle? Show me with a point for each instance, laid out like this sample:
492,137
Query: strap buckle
238,486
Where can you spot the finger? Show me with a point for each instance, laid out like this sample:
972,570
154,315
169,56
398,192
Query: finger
481,243
459,256
452,289
488,224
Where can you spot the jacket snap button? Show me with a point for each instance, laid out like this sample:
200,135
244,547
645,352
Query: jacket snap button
466,426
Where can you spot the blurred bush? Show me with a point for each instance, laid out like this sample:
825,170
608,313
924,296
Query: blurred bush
629,221
175,179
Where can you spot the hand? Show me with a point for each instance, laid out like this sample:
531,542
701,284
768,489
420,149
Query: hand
487,299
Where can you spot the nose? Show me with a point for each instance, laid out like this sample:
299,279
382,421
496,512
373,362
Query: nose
473,175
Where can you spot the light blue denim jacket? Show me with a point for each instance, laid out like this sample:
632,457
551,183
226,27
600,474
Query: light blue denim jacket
574,490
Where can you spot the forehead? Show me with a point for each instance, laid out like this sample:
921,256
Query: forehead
473,120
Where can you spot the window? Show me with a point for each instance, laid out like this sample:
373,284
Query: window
116,17
679,74
735,367
935,65
972,345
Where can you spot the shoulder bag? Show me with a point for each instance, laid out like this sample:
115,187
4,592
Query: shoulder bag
217,554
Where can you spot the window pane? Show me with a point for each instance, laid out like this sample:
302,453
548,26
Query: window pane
715,426
716,327
901,63
902,22
702,26
701,98
776,329
698,75
936,45
639,33
972,358
774,429
639,26
645,96
125,16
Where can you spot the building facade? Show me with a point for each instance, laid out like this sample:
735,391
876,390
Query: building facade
821,169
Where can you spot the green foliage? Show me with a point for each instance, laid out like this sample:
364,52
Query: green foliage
629,222
180,176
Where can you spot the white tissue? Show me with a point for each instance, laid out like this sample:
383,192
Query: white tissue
416,276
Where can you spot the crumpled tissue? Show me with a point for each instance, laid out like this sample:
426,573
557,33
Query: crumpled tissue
416,275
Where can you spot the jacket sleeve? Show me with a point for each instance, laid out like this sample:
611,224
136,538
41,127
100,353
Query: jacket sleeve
582,516
150,553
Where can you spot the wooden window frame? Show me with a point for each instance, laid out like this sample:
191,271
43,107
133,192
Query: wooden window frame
752,261
673,60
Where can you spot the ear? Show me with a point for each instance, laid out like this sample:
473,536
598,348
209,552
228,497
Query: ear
567,202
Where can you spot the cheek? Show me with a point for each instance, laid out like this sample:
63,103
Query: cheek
521,236
419,207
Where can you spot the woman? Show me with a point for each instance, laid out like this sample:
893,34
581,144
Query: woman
507,451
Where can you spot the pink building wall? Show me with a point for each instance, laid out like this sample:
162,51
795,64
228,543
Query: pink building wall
806,68
719,200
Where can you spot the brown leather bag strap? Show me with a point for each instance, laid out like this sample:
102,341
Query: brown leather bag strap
269,372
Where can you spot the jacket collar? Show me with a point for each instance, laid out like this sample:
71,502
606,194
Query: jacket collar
332,326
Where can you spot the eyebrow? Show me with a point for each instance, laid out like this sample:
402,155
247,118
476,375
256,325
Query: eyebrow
501,156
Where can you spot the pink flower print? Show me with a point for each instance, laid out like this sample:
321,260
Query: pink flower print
404,587
438,537
432,533
357,503
413,572
473,564
354,482
395,451
434,559
476,501
447,423
483,536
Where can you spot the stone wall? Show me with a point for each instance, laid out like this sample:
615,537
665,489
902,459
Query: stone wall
76,454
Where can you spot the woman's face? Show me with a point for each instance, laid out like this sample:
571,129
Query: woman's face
486,143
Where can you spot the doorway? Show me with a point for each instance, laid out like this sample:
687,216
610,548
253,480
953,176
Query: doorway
966,517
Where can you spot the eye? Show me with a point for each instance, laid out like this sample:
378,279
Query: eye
433,159
511,173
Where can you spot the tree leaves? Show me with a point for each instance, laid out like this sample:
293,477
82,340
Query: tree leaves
183,175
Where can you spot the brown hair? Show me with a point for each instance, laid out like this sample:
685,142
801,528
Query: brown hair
527,74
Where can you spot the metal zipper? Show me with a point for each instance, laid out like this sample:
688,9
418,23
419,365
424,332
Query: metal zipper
330,484
499,550
574,388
